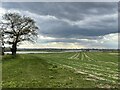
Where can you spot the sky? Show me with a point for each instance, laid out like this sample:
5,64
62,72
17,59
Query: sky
70,24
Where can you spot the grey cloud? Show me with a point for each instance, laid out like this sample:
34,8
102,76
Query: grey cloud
61,29
69,10
73,12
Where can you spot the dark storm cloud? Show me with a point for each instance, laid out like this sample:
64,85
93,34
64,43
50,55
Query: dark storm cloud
62,29
72,11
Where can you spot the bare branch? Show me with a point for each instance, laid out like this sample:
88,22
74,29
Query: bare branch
18,29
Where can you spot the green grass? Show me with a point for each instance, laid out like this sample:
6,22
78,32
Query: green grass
64,70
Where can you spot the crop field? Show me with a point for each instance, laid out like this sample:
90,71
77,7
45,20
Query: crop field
61,70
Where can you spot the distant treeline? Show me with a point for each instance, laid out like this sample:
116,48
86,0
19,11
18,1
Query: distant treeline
58,50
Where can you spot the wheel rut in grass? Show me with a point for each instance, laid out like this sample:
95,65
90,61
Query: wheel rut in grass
75,56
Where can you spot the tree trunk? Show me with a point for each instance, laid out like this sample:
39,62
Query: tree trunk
14,48
3,50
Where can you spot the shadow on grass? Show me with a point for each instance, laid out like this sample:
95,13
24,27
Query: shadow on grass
9,57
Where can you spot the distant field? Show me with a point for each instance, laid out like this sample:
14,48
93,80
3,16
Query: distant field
69,69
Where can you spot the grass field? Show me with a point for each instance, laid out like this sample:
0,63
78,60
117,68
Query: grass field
71,69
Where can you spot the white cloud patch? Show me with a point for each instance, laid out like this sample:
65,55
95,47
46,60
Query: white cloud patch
2,12
107,41
51,45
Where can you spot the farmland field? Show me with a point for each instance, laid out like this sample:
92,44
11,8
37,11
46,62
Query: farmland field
64,70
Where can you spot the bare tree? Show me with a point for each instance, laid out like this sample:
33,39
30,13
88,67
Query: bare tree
19,28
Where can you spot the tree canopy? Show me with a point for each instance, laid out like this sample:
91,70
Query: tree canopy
18,28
